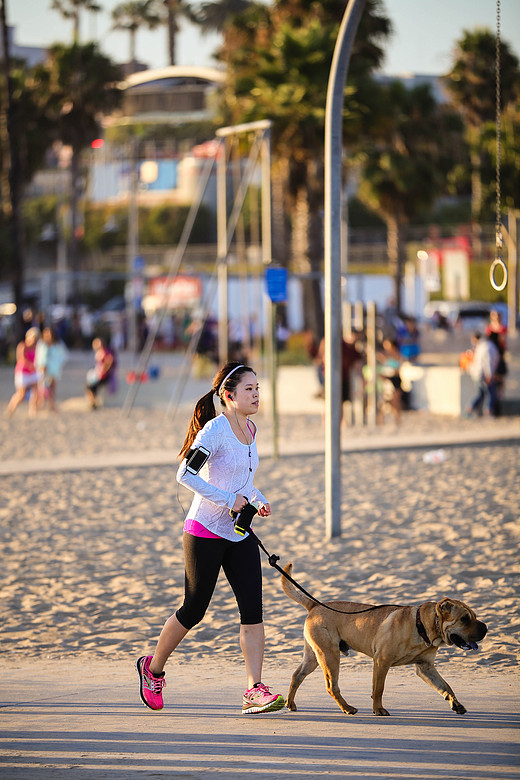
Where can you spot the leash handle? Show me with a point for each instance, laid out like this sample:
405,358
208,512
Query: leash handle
273,562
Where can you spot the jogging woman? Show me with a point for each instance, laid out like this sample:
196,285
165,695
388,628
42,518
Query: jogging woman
219,460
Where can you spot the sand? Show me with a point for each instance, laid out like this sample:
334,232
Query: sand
92,566
94,558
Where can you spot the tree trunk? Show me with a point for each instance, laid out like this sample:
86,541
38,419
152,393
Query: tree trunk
11,185
476,202
133,61
304,236
280,225
395,259
300,233
173,29
75,20
73,238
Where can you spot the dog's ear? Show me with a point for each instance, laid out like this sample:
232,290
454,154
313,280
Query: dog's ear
445,607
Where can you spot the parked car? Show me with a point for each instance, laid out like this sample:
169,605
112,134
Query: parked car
465,316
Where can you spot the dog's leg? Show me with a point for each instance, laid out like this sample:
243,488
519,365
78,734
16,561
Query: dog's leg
430,675
329,662
378,685
308,665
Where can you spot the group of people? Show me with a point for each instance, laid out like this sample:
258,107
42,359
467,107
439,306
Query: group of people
353,363
40,357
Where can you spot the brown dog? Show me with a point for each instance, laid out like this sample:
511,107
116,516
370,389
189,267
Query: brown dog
391,635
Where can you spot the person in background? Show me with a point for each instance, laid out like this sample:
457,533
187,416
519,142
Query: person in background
100,374
496,331
25,374
482,370
391,392
51,354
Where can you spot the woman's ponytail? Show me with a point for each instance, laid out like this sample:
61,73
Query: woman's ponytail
204,411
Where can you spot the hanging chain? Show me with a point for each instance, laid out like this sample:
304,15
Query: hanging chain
498,262
498,131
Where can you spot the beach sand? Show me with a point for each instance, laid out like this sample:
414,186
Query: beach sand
93,565
94,562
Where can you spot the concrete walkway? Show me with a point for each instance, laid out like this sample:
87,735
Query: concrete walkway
84,720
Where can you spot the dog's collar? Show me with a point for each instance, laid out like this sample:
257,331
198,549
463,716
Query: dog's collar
420,628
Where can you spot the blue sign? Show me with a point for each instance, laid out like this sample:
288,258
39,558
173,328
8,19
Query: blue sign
138,264
276,282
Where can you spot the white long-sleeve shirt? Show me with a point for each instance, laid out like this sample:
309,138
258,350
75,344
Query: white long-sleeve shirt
229,471
485,360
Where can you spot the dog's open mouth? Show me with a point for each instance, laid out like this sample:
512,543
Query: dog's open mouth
463,643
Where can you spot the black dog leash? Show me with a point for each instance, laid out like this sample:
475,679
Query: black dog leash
273,561
243,525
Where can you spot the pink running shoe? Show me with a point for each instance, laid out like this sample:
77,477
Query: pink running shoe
260,699
150,686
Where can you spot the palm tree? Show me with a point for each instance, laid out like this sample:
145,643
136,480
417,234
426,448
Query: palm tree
78,85
134,14
472,86
405,170
175,11
213,16
278,62
70,9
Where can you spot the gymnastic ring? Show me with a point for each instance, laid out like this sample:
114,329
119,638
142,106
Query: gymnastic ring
497,262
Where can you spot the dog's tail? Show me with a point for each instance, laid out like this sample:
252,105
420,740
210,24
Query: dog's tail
293,592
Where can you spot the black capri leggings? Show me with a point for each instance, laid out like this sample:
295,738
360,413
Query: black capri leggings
241,564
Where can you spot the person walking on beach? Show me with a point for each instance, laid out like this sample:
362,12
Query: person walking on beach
219,460
496,332
25,374
51,354
482,370
101,373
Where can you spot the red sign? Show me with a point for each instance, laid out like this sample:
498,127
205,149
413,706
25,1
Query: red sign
177,292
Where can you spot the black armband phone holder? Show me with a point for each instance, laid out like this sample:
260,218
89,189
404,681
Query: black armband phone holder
196,458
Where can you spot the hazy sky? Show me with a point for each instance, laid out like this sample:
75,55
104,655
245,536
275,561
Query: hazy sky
424,32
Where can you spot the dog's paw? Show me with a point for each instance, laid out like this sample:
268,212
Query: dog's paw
457,707
381,711
350,710
291,706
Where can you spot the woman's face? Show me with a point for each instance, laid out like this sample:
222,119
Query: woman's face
245,397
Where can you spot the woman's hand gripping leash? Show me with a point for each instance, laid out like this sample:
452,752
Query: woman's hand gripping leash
244,517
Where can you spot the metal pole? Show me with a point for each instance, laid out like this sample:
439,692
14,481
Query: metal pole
267,260
222,250
512,257
371,365
332,226
131,249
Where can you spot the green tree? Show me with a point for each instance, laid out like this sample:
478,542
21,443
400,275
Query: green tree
471,84
32,131
278,62
130,16
214,16
405,170
71,9
78,85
